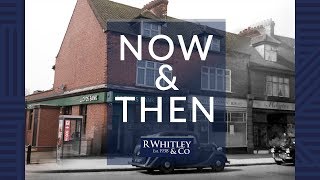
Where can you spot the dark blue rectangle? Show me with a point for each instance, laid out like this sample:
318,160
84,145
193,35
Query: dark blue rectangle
12,89
307,89
166,146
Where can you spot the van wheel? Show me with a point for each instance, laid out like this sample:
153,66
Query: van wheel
166,166
218,165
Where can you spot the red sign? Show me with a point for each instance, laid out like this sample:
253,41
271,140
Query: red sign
67,130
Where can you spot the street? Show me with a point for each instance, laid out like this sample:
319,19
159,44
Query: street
239,172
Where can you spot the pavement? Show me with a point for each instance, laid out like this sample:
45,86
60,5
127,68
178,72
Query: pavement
100,164
261,172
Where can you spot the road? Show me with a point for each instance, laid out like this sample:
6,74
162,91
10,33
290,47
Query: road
273,172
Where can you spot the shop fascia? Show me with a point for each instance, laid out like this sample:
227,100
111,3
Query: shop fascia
196,104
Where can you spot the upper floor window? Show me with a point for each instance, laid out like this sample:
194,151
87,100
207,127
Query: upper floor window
215,79
277,86
270,53
215,44
148,72
150,29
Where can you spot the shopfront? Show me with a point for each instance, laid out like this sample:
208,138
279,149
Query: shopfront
230,124
42,121
270,121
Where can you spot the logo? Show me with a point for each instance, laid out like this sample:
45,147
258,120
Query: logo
166,146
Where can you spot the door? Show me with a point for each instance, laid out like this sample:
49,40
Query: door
260,136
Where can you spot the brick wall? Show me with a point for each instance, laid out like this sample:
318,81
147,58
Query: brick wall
48,126
81,61
96,124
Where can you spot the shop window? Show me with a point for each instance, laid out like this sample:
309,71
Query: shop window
236,129
215,44
277,86
148,72
215,79
30,119
67,110
83,113
150,29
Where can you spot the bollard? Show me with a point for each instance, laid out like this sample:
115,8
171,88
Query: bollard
29,154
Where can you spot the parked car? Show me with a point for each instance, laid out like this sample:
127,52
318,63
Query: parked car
203,155
284,152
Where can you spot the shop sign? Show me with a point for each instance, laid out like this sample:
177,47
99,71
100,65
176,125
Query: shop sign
218,101
89,98
273,105
67,130
74,100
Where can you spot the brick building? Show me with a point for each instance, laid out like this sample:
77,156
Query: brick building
272,83
89,74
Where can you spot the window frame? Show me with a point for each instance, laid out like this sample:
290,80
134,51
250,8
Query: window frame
211,47
224,77
285,83
142,29
156,66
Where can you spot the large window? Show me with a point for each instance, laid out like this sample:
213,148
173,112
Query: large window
148,72
215,44
150,29
277,86
215,79
236,129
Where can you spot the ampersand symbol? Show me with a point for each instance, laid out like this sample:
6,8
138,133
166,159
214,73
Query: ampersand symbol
173,151
164,77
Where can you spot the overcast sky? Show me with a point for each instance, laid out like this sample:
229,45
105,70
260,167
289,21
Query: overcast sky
47,21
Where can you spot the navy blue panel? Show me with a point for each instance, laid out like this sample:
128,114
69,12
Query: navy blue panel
12,89
307,89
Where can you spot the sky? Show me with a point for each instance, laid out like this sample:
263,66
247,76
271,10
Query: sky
47,22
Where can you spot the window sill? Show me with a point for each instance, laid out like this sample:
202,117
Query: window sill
230,92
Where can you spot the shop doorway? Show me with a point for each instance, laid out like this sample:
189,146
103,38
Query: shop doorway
277,125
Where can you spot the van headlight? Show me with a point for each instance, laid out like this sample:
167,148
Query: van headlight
219,149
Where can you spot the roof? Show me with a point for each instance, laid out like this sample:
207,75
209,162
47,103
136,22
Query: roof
264,38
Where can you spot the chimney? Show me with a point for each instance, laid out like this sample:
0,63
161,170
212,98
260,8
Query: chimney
157,7
261,28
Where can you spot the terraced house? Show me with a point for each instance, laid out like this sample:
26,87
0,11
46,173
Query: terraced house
245,73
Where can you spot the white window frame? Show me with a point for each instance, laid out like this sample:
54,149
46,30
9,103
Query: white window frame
216,79
278,84
155,67
212,44
142,29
